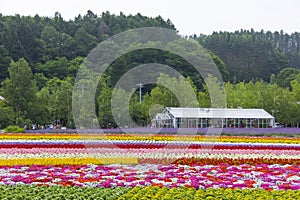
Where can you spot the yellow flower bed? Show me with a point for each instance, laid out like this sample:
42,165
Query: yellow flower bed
139,193
155,192
232,139
67,161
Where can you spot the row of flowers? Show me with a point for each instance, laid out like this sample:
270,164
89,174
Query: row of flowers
146,152
268,177
29,192
133,160
149,192
68,161
105,153
216,161
202,138
192,194
143,144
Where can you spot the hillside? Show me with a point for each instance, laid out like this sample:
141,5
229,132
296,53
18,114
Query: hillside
55,47
250,55
42,39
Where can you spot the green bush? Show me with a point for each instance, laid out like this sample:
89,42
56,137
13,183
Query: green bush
13,129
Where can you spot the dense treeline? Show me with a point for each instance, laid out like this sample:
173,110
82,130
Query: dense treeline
42,39
54,47
40,57
251,55
247,54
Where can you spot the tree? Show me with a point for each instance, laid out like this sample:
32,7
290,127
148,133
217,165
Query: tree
169,92
216,92
20,90
296,98
56,98
7,115
4,62
120,107
231,97
221,66
204,100
54,68
84,41
40,79
105,116
250,55
286,108
52,40
285,77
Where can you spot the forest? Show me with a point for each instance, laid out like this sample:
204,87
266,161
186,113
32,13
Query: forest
40,58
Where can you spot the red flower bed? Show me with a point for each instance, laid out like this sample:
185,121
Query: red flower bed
213,161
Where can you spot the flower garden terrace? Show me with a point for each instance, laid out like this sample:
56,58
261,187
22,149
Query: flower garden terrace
144,165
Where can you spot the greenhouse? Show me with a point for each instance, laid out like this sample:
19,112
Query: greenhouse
173,117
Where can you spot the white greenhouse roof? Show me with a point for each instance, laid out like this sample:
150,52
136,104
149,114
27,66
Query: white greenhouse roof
218,113
163,116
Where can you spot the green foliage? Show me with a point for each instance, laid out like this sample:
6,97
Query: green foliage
54,68
105,116
40,39
285,77
169,92
40,79
55,43
4,62
221,66
6,116
55,99
13,129
216,92
254,55
20,89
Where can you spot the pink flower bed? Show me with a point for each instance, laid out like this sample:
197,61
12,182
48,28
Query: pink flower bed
207,176
146,151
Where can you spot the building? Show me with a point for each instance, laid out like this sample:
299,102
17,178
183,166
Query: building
172,117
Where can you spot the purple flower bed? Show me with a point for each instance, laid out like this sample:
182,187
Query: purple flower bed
251,131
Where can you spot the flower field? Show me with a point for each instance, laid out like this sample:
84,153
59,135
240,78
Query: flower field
144,166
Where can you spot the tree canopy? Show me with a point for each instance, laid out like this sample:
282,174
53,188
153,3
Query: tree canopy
40,58
250,55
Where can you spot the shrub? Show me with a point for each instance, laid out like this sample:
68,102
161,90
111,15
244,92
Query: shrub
13,129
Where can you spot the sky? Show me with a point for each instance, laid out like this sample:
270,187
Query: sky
188,16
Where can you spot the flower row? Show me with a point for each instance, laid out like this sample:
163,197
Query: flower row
134,160
201,138
29,192
208,176
192,194
151,154
215,161
144,144
69,161
166,151
149,192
